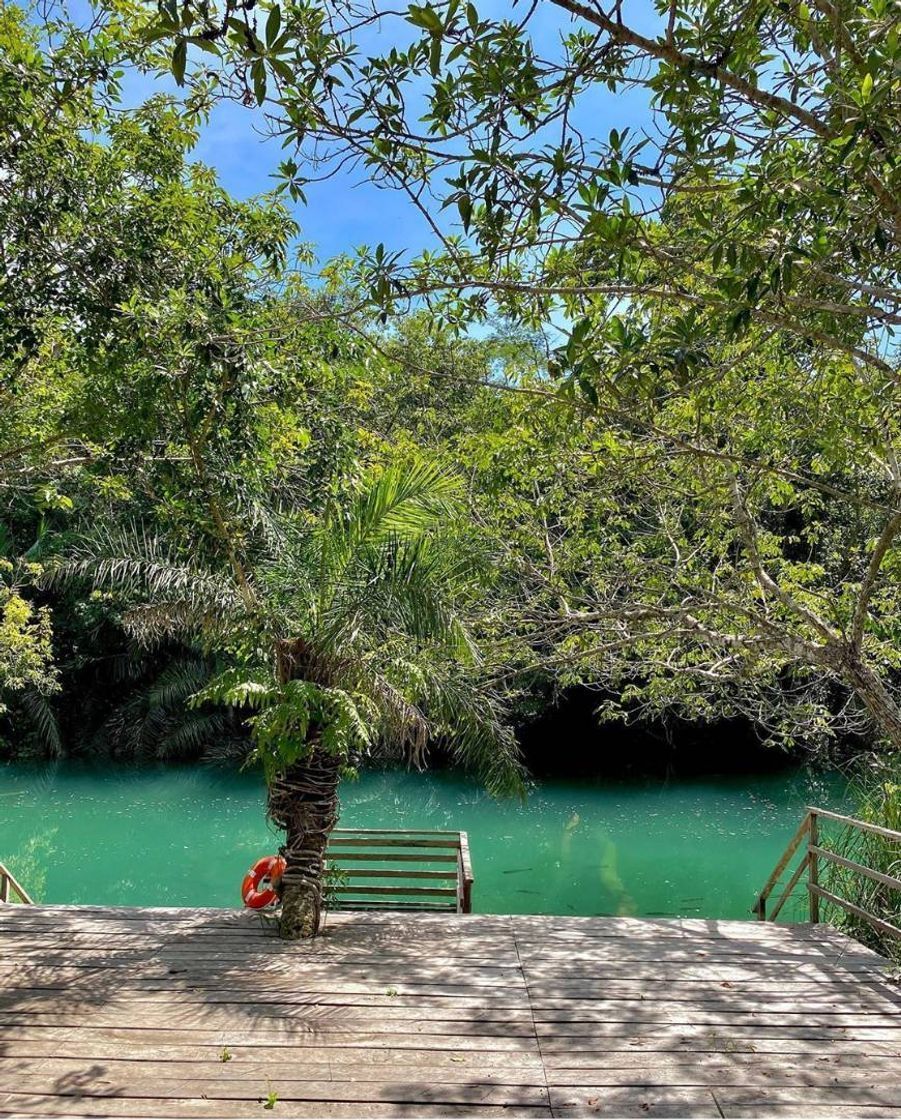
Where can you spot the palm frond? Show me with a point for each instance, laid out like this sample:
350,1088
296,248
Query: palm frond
402,724
421,700
406,499
170,595
128,666
471,723
399,584
191,735
404,502
43,721
178,682
229,751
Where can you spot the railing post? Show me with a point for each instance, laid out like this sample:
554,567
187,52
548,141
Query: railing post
466,879
4,886
813,867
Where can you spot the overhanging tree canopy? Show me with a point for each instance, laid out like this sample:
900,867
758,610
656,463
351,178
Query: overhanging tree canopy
728,273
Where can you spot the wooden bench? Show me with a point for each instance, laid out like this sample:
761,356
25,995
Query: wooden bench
394,869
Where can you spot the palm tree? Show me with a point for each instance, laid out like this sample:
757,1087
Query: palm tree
344,637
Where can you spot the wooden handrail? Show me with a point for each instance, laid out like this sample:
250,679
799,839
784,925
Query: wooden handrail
813,853
789,887
853,822
877,923
759,907
859,868
7,881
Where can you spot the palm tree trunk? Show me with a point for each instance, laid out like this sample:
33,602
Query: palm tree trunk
303,800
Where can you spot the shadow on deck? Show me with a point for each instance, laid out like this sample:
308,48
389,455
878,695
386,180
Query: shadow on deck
141,1012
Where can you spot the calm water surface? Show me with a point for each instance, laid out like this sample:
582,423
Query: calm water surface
185,836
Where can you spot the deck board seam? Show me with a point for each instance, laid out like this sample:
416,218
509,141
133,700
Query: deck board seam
525,981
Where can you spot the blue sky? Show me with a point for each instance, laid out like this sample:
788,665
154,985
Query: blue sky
348,211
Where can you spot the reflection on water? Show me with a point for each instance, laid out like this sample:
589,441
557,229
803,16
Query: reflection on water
184,836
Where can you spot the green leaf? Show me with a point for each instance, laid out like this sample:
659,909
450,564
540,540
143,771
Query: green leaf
205,45
435,56
425,17
273,25
866,87
258,73
179,61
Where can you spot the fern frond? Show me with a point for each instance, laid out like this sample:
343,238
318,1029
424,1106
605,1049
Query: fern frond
239,687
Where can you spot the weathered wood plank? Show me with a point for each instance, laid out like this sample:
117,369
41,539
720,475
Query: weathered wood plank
256,1051
36,1012
438,1066
582,1068
24,1105
673,1103
804,1096
810,1112
276,1026
801,1094
741,1070
247,1033
723,1075
92,1082
512,1004
594,1033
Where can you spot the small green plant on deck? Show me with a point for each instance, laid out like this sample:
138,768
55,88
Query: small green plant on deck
333,879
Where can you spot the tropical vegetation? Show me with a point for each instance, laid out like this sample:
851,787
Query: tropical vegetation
630,422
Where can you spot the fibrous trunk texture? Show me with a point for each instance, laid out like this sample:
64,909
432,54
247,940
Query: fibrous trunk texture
303,800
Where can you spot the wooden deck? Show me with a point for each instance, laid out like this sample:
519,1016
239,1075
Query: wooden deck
126,1012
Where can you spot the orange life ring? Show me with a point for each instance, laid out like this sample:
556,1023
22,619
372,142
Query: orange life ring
267,870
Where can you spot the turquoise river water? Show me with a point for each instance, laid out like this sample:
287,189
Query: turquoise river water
182,836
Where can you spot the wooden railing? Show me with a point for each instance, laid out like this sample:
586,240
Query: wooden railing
392,869
8,882
807,840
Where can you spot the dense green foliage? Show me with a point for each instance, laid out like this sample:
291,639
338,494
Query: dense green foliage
686,496
729,276
877,796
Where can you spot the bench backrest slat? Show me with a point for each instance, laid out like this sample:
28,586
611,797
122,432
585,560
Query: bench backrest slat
395,863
